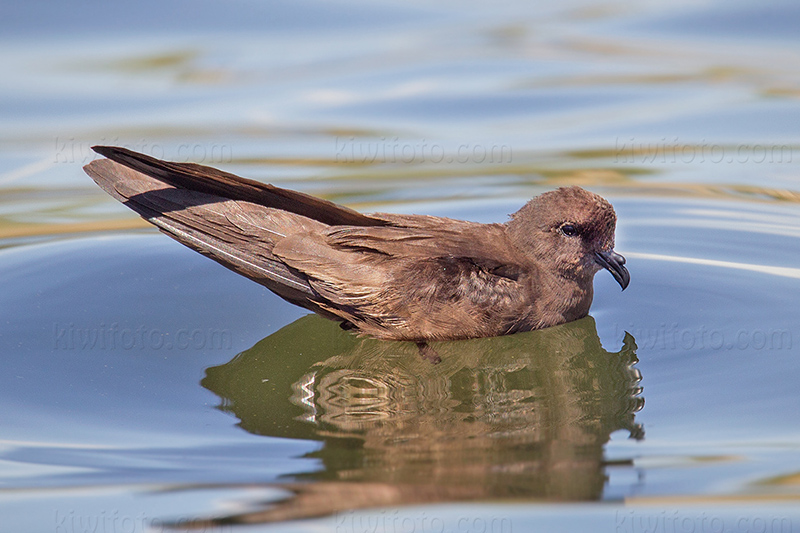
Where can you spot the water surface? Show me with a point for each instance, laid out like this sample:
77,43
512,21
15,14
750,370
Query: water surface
145,387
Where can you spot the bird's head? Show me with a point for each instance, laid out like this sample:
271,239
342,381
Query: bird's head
571,230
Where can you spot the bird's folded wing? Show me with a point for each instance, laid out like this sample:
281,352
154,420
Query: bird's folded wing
483,246
418,276
239,235
226,185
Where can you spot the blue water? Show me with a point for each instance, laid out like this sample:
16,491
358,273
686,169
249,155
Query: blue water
144,386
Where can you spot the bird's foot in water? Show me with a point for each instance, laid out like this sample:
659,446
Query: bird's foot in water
428,353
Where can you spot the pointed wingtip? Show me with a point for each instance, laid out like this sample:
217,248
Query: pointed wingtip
93,167
105,151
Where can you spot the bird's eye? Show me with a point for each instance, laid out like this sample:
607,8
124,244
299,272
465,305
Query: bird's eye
569,230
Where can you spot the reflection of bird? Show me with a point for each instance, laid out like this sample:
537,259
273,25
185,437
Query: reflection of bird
404,277
516,418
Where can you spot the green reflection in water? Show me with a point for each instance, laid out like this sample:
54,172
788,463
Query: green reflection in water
522,416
